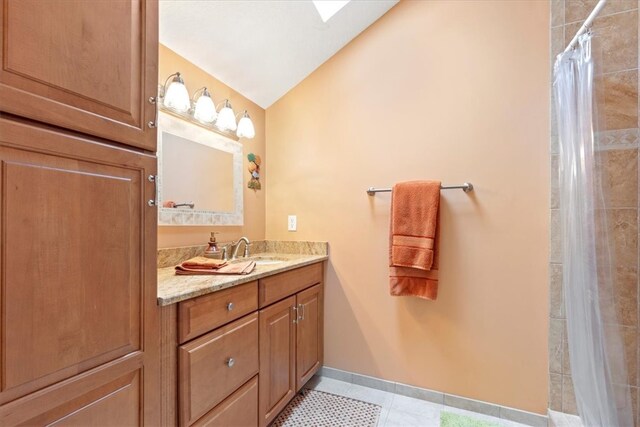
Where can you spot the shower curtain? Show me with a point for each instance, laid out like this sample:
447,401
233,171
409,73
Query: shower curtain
595,348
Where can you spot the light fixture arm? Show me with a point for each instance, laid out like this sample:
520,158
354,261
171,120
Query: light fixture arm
205,92
164,86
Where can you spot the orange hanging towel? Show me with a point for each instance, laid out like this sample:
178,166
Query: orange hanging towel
413,241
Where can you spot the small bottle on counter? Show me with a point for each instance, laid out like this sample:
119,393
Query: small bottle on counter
212,250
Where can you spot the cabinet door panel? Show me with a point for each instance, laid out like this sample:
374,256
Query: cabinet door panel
277,358
85,65
74,308
309,334
105,396
77,277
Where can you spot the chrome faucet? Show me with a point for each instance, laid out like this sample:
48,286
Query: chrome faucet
236,245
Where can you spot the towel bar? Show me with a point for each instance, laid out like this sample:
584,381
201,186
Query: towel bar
466,187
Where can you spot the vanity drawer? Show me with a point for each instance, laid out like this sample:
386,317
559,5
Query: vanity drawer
203,314
238,410
214,365
275,288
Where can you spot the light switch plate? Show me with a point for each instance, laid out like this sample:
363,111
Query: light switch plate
292,223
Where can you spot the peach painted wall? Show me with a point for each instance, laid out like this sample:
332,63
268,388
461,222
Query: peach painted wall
254,202
453,90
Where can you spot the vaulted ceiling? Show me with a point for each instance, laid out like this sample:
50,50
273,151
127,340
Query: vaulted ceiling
261,48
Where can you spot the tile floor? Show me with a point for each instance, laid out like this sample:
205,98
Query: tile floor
398,410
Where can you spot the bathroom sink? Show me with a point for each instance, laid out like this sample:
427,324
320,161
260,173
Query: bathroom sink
268,261
261,260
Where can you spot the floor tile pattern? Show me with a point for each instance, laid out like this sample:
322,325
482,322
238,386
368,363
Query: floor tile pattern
318,408
398,410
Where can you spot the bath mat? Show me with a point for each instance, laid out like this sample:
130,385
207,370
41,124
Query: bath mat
449,419
317,408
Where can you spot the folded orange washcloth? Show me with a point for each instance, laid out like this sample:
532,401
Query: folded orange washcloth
413,242
201,262
236,268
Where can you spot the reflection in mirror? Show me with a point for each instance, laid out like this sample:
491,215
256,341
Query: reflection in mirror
196,174
200,175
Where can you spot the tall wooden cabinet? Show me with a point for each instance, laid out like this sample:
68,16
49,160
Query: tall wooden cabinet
79,322
90,66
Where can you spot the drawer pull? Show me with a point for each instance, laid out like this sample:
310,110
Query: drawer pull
230,306
230,362
295,314
153,123
301,311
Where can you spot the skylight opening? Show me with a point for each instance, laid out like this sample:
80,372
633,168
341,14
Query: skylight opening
328,8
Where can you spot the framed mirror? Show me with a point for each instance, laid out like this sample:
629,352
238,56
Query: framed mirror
199,175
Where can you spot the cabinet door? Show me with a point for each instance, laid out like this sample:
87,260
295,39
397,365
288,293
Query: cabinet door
309,334
77,279
90,66
277,358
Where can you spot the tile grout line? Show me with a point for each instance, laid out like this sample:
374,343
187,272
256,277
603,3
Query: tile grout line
599,16
625,70
386,417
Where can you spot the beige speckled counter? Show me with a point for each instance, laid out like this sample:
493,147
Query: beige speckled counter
172,288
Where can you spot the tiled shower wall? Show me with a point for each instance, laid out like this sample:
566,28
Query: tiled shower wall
617,29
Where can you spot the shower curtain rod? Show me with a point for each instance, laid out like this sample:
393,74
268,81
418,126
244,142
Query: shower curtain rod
587,24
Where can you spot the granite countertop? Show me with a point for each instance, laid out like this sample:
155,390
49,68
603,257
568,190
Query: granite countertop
173,289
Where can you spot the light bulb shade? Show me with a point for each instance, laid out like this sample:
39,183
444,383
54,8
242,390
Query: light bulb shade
176,96
226,118
205,109
245,127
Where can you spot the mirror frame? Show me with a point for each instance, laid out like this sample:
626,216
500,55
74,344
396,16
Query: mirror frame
199,134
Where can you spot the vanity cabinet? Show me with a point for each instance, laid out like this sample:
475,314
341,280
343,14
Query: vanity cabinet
80,325
236,357
291,337
89,66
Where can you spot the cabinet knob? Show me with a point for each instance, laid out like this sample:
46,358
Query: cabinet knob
230,362
230,306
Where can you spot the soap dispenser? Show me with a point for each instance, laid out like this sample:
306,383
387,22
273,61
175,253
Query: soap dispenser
212,250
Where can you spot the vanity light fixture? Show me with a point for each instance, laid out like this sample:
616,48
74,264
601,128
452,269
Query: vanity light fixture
205,109
175,95
226,117
245,127
174,98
